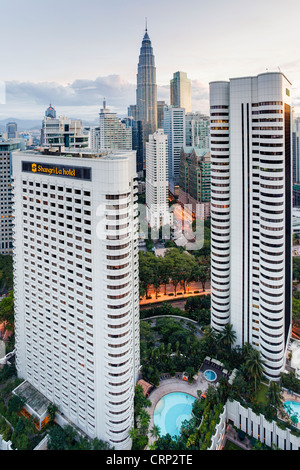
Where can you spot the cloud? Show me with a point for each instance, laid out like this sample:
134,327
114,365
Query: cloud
81,93
83,97
200,96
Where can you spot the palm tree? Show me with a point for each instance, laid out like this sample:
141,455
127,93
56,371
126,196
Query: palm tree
168,353
247,349
211,394
133,433
209,341
255,365
274,395
223,389
227,336
161,352
144,420
155,432
152,446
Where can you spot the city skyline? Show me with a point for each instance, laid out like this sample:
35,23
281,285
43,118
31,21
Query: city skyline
108,220
75,71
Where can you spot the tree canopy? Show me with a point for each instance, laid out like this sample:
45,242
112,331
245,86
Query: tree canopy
6,272
177,267
7,311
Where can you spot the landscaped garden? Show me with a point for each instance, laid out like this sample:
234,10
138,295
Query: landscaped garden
196,308
177,267
22,431
13,426
229,445
167,347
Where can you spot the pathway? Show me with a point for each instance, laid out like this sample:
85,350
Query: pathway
167,298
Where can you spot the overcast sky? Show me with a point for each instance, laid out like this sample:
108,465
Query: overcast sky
74,53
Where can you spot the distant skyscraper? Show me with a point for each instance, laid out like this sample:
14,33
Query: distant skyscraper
251,233
12,130
138,145
6,225
296,150
62,131
160,114
114,134
146,93
94,138
180,91
132,111
157,186
174,127
197,130
50,112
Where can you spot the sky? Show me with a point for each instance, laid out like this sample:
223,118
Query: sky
73,53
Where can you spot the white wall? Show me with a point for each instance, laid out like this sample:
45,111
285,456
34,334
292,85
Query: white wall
245,419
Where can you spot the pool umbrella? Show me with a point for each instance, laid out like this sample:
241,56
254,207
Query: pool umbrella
294,418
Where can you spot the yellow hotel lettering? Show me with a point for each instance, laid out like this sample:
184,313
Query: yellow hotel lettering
69,172
54,170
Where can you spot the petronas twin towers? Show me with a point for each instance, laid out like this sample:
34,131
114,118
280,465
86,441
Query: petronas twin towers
146,93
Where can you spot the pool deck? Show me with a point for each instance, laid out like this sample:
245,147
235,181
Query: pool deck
175,385
291,397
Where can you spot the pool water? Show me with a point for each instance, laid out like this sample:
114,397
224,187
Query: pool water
293,410
171,411
210,375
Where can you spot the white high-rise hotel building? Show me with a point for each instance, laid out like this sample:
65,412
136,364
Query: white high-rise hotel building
157,183
76,286
251,212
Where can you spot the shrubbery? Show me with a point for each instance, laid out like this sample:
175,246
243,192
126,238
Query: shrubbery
67,438
6,272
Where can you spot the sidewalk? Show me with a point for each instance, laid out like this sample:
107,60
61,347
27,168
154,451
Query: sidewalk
165,298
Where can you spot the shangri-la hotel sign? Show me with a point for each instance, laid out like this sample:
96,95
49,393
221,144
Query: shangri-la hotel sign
76,172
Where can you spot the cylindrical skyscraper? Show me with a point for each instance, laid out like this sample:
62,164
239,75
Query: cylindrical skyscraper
220,207
251,232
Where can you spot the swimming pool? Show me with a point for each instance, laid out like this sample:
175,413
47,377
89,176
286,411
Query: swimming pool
210,375
171,411
293,409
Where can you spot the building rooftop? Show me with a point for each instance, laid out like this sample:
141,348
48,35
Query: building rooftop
77,153
198,151
252,76
11,143
33,398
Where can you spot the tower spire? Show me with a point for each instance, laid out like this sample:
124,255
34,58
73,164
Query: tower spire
146,29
